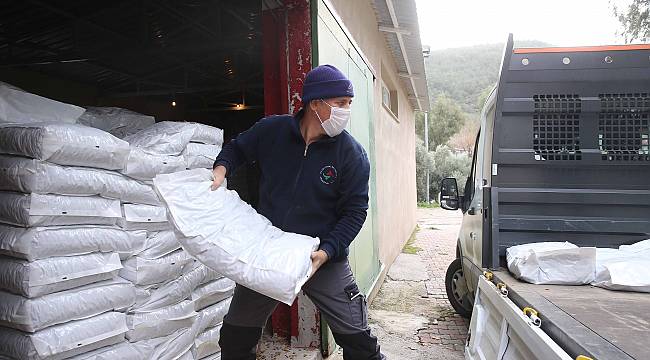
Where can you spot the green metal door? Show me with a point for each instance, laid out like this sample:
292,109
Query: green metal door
332,46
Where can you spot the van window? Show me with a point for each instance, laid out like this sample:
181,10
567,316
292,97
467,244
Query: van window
472,180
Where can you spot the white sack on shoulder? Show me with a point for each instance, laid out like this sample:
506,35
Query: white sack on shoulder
552,263
52,241
46,276
117,121
64,144
37,176
30,210
19,106
229,236
83,302
143,166
64,340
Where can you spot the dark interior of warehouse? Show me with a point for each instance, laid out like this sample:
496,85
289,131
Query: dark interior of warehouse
185,60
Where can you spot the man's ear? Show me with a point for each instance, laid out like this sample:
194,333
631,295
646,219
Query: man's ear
313,105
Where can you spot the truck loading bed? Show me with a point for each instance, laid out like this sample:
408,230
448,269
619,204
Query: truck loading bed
587,320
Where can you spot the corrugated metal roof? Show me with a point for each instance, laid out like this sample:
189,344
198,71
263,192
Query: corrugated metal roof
401,15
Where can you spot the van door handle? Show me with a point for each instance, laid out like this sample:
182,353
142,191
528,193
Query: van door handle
471,211
472,235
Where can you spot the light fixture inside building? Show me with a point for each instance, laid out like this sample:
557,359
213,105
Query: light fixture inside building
239,106
173,103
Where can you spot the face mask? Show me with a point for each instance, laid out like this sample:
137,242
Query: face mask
337,122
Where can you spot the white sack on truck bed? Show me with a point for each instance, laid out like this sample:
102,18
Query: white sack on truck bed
83,302
200,156
171,137
116,121
52,241
143,217
229,236
207,134
37,176
552,263
64,144
64,340
49,210
142,271
626,268
46,276
19,106
143,166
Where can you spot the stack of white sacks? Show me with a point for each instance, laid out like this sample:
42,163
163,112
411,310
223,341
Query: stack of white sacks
90,267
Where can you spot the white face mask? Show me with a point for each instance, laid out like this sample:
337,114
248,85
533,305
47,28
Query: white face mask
338,121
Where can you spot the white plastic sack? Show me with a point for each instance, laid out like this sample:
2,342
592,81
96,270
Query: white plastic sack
64,144
207,134
117,121
163,138
161,322
552,263
19,106
83,302
46,276
157,296
30,210
143,271
213,315
199,156
143,166
229,236
626,268
207,343
212,293
216,356
44,242
159,244
64,340
36,176
144,217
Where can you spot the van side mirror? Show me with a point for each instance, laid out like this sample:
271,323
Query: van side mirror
449,198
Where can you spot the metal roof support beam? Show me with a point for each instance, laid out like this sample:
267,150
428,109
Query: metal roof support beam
402,47
407,75
395,30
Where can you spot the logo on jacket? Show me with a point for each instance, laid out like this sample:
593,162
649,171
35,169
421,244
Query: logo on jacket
328,175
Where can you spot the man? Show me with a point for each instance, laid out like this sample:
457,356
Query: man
314,181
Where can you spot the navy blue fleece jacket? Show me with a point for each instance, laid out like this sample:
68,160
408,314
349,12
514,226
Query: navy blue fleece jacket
320,190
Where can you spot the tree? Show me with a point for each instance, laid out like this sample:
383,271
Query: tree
464,139
445,119
635,20
423,162
448,164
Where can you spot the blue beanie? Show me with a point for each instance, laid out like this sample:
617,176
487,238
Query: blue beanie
325,82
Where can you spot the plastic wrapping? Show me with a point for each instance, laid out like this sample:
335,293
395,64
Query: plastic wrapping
159,244
229,236
144,217
143,166
46,276
207,134
19,106
155,297
35,314
552,263
199,156
64,144
163,138
213,315
30,210
212,293
160,322
36,176
142,271
207,343
626,268
116,121
64,340
44,242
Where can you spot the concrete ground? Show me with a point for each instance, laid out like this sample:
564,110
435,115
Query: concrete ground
410,315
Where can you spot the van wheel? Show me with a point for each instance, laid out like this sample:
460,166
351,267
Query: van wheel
457,291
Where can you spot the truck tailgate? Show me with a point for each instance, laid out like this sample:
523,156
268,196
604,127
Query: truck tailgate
588,320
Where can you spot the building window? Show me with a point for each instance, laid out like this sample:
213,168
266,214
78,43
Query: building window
389,99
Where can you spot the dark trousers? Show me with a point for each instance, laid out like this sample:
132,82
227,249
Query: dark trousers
334,292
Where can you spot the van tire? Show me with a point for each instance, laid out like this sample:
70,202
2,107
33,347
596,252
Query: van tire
457,291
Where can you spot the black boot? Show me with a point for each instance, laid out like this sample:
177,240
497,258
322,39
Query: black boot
239,342
360,346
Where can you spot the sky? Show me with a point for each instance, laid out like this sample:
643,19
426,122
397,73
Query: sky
458,23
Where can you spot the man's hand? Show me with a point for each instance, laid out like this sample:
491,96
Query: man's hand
318,258
219,174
